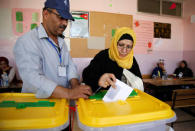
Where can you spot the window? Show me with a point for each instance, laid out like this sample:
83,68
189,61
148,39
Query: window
161,7
149,6
177,11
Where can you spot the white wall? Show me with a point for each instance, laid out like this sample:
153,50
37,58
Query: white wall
189,34
170,49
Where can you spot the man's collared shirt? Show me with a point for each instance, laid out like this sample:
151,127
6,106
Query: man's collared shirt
37,61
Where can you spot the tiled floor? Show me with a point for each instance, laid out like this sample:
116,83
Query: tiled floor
178,126
184,126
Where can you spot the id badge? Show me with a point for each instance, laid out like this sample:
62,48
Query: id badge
61,70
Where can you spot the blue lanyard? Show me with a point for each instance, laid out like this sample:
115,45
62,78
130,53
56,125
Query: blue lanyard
58,52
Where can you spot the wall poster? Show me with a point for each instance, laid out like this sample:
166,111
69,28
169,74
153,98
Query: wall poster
162,30
80,27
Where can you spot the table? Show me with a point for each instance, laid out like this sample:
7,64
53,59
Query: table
170,82
16,87
162,89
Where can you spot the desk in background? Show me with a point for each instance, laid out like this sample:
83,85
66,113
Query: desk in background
162,89
16,87
170,82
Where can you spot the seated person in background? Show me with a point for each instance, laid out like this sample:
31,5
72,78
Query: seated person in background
8,70
116,62
159,71
183,70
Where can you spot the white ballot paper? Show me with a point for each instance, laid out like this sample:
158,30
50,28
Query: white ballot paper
121,92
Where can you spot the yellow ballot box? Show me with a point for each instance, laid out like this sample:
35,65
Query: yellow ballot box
23,111
140,112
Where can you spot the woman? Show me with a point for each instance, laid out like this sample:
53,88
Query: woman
116,62
183,70
7,70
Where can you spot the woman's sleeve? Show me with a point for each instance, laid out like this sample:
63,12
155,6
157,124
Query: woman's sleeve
191,73
93,72
176,71
136,69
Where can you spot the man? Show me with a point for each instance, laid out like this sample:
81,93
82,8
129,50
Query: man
43,60
159,71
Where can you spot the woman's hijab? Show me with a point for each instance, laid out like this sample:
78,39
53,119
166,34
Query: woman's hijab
127,61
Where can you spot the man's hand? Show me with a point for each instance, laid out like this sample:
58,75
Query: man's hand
80,91
106,80
76,91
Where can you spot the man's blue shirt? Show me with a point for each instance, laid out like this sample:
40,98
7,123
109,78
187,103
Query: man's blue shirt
37,61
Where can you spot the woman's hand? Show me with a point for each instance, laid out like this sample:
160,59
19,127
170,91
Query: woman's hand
106,80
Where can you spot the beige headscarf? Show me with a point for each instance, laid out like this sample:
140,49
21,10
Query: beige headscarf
127,61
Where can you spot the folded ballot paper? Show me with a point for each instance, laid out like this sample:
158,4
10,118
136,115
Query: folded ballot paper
121,92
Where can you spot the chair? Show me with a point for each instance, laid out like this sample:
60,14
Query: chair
182,98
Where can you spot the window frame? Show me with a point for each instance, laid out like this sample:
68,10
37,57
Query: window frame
161,9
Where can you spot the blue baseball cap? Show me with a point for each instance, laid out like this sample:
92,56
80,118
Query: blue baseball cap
62,7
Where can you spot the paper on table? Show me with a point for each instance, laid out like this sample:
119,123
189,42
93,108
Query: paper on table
121,92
